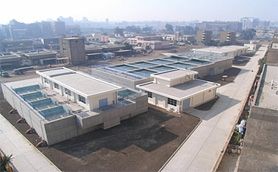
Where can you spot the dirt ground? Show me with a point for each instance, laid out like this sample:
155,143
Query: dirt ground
143,143
231,73
229,163
241,60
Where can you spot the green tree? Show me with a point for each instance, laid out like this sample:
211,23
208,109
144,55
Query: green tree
212,43
133,29
248,34
128,46
4,161
169,28
119,31
147,29
186,30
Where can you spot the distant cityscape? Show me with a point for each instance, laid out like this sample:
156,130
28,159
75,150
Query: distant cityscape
16,30
138,96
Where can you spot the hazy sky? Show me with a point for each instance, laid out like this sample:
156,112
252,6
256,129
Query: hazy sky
29,11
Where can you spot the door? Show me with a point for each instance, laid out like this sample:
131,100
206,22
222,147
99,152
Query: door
160,101
103,102
186,104
211,71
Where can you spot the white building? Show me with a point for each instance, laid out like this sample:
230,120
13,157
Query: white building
231,50
251,47
178,90
153,42
62,103
88,92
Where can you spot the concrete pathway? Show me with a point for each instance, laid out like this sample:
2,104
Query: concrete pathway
205,147
25,156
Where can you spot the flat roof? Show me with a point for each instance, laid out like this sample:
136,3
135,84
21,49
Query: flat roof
181,91
223,49
80,83
73,38
268,95
175,74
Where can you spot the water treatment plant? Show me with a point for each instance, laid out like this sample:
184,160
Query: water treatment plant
63,103
134,73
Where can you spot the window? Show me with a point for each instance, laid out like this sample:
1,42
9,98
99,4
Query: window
172,102
45,80
56,86
68,92
150,94
82,99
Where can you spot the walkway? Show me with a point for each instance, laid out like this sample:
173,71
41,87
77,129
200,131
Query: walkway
25,156
205,147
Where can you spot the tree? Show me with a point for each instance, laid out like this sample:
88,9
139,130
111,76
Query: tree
225,43
119,31
212,43
186,30
248,34
147,29
128,46
169,28
4,160
133,29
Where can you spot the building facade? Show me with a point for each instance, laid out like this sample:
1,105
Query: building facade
178,90
228,36
203,36
74,49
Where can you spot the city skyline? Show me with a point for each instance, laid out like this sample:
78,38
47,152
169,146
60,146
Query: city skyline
143,10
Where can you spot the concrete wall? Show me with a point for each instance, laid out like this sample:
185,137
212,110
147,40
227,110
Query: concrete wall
217,67
60,130
196,99
94,101
162,82
112,117
32,117
203,97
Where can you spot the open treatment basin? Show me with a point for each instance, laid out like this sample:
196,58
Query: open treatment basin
143,64
176,58
143,72
52,111
160,61
41,103
198,62
123,67
182,65
126,93
27,89
162,68
32,96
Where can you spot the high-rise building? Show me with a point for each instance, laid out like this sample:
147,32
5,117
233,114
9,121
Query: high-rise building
74,49
17,30
1,46
46,28
203,36
177,36
249,22
34,30
59,28
227,36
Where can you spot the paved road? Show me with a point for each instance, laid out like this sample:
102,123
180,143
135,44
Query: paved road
204,148
25,156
